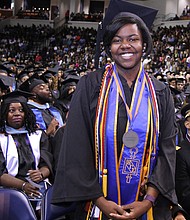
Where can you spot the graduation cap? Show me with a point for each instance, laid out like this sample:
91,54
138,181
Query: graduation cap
30,68
180,79
22,74
39,70
31,82
16,96
48,74
55,69
68,72
172,79
71,80
5,69
8,80
185,110
21,66
9,64
117,6
3,86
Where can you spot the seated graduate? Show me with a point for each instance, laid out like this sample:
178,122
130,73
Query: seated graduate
67,90
48,117
183,163
25,158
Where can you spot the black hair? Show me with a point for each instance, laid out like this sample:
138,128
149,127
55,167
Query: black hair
118,22
30,118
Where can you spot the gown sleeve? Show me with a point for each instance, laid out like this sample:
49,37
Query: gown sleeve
76,176
2,163
46,157
163,176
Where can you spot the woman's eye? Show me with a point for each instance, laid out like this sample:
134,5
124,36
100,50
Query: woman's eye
116,41
133,39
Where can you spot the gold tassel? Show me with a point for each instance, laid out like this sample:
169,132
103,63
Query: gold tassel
104,182
150,214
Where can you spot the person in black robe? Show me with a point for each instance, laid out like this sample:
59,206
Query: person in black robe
48,117
78,174
183,163
25,154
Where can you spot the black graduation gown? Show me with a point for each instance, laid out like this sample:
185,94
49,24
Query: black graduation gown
76,177
183,174
26,158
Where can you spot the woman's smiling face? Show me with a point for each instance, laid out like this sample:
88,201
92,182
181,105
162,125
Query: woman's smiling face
127,48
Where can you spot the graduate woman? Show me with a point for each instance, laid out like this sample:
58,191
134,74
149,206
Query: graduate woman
117,156
25,158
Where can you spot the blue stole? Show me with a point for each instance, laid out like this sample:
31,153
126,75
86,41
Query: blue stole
38,113
127,174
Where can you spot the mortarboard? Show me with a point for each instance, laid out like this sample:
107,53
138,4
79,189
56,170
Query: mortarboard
7,80
21,66
6,70
117,6
16,96
71,80
180,79
3,86
31,82
68,72
185,111
30,68
54,70
22,74
48,74
171,79
10,65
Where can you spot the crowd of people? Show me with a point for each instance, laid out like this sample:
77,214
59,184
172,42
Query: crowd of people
33,14
92,17
52,104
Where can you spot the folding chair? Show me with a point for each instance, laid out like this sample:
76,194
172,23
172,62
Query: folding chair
54,212
14,205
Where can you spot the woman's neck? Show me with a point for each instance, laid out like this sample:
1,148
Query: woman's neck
128,75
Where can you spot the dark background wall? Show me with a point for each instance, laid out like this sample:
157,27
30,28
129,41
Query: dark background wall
37,4
5,3
96,6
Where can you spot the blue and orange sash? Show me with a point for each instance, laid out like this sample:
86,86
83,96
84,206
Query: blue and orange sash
121,177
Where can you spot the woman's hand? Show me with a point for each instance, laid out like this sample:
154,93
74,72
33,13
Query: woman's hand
179,216
35,175
133,210
108,207
31,190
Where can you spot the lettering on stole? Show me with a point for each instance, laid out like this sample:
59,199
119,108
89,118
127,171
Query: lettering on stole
130,165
